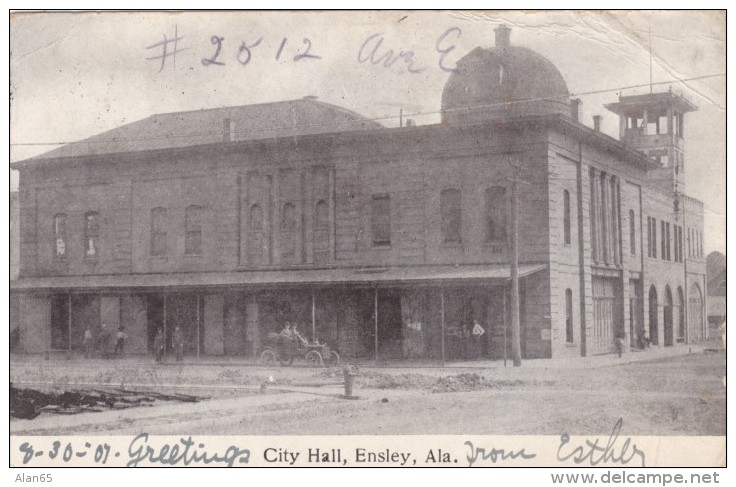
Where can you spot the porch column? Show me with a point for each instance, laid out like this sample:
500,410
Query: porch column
199,325
314,322
375,325
505,326
442,324
69,320
165,335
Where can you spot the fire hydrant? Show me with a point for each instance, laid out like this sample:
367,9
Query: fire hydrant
348,375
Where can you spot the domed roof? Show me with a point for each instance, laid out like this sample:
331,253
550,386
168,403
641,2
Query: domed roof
503,81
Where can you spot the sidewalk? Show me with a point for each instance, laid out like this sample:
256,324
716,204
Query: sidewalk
595,361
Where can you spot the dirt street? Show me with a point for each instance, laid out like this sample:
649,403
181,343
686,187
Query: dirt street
667,395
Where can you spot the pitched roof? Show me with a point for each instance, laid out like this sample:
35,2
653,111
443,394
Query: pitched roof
249,122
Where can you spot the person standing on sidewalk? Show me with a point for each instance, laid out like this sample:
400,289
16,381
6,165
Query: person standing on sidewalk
121,337
158,345
177,340
88,343
477,332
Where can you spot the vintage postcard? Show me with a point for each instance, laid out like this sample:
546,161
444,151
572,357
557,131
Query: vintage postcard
368,238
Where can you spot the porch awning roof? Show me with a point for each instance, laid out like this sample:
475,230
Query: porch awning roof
272,278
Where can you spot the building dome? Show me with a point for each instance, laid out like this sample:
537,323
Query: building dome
503,81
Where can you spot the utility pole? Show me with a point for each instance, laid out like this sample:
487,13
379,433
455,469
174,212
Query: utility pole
516,181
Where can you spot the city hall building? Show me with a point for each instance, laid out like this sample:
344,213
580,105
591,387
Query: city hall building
386,243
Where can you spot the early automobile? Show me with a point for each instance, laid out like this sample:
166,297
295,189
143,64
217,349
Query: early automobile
284,349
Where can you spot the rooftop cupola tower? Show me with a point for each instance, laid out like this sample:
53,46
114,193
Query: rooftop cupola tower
655,124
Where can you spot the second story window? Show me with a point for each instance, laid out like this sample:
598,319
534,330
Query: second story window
91,234
193,229
450,209
256,218
566,216
60,236
288,217
158,232
632,232
651,237
495,214
381,220
321,215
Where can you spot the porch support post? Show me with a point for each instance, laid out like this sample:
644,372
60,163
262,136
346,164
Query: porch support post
165,335
505,326
442,324
69,320
199,324
375,325
314,319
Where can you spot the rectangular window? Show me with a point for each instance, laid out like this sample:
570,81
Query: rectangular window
663,242
652,231
667,236
632,232
60,236
91,234
158,231
451,213
193,230
381,220
496,213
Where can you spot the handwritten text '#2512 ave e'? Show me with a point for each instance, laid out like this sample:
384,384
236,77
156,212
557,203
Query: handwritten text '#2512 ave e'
374,51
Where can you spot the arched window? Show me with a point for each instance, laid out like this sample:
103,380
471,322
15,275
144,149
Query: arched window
566,215
60,236
256,218
91,233
450,209
288,217
321,217
632,232
193,224
158,231
495,214
569,332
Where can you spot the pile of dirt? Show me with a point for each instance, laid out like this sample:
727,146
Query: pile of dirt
447,383
470,382
397,381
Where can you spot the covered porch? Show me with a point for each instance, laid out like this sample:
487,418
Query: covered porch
378,314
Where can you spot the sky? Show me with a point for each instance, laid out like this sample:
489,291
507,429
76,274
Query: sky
74,75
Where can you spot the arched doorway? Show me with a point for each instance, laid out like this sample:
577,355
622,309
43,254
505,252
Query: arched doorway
680,315
695,312
653,312
669,332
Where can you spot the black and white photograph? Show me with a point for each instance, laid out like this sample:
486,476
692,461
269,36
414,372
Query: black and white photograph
357,231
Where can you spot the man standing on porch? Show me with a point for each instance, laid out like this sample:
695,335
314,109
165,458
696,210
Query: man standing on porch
477,332
177,340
